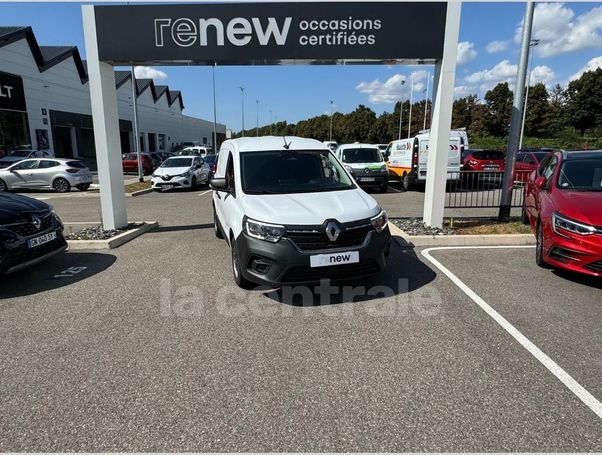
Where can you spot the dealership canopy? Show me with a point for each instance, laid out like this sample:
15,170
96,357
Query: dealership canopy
269,34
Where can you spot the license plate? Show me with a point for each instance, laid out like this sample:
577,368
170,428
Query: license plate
491,168
167,187
325,260
37,241
367,179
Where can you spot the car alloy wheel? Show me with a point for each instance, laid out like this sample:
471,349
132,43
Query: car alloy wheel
61,185
540,247
3,186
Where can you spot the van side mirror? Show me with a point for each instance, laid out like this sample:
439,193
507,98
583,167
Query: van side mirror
540,182
218,184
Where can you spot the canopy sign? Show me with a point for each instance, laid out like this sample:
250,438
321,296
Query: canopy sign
271,33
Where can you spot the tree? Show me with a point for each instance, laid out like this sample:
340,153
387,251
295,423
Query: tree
584,101
498,103
537,118
468,113
558,118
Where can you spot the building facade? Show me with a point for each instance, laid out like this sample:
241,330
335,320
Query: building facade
45,104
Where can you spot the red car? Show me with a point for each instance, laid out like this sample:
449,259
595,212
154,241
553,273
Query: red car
527,160
484,160
563,204
130,163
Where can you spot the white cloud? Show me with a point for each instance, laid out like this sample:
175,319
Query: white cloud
504,71
592,65
146,72
392,90
543,74
463,90
559,30
497,46
466,52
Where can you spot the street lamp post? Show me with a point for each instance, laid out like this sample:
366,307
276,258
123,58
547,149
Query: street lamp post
214,114
257,127
534,42
271,122
411,101
426,99
400,109
135,132
331,106
242,108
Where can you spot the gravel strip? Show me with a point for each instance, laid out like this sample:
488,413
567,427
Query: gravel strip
98,233
415,226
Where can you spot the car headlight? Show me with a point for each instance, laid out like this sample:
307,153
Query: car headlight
561,223
379,221
349,168
263,231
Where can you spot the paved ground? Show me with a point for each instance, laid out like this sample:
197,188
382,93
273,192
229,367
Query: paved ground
150,347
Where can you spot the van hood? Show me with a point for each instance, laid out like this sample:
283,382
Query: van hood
581,206
310,208
14,206
171,170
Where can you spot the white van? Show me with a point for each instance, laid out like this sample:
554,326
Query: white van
408,158
333,146
291,213
366,164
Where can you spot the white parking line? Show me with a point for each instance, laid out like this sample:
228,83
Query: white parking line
205,192
395,189
587,398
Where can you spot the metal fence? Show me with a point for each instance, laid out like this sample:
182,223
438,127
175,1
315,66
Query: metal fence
482,189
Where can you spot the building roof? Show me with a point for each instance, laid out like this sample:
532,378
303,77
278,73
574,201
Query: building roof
48,56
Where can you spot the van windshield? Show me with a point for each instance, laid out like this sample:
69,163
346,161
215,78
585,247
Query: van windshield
361,155
292,171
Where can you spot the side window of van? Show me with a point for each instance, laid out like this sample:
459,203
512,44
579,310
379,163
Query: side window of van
230,173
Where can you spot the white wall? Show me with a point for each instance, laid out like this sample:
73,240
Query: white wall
59,88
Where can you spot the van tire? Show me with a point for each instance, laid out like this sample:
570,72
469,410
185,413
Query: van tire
405,182
240,280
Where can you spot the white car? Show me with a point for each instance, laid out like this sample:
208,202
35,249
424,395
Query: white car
291,213
59,174
180,172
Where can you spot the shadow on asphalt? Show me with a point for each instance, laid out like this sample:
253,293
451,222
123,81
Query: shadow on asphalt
405,273
586,280
188,227
59,271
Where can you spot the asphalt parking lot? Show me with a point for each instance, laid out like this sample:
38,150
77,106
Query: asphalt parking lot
151,347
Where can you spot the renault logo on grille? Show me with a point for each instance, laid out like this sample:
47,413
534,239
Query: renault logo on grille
36,221
332,231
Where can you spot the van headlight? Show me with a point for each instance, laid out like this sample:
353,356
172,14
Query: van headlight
561,223
263,231
379,221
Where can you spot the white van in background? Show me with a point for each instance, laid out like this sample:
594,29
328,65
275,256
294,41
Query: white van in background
408,157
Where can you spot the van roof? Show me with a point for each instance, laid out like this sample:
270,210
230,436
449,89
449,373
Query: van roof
263,143
357,145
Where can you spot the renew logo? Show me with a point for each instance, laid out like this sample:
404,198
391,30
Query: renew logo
239,31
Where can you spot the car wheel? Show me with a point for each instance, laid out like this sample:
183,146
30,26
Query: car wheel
3,186
405,182
83,187
540,247
193,183
240,280
61,185
216,227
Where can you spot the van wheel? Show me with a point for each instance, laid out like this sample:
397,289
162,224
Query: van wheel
540,247
61,185
216,227
241,281
384,188
405,182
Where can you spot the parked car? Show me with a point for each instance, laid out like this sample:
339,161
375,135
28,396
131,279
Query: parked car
59,174
291,213
130,163
22,154
366,164
157,159
527,160
562,203
196,150
211,160
30,232
181,172
484,160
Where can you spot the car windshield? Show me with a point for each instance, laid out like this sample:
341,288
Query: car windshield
298,171
488,155
361,155
20,153
581,175
177,162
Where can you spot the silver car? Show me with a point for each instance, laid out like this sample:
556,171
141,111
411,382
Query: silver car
59,174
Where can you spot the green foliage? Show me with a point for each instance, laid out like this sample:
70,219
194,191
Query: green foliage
498,104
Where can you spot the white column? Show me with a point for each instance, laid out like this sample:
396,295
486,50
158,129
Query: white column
103,97
443,98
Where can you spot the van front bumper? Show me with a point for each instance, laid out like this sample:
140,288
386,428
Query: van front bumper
282,263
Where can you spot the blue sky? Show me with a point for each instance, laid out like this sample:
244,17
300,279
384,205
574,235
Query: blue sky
570,41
